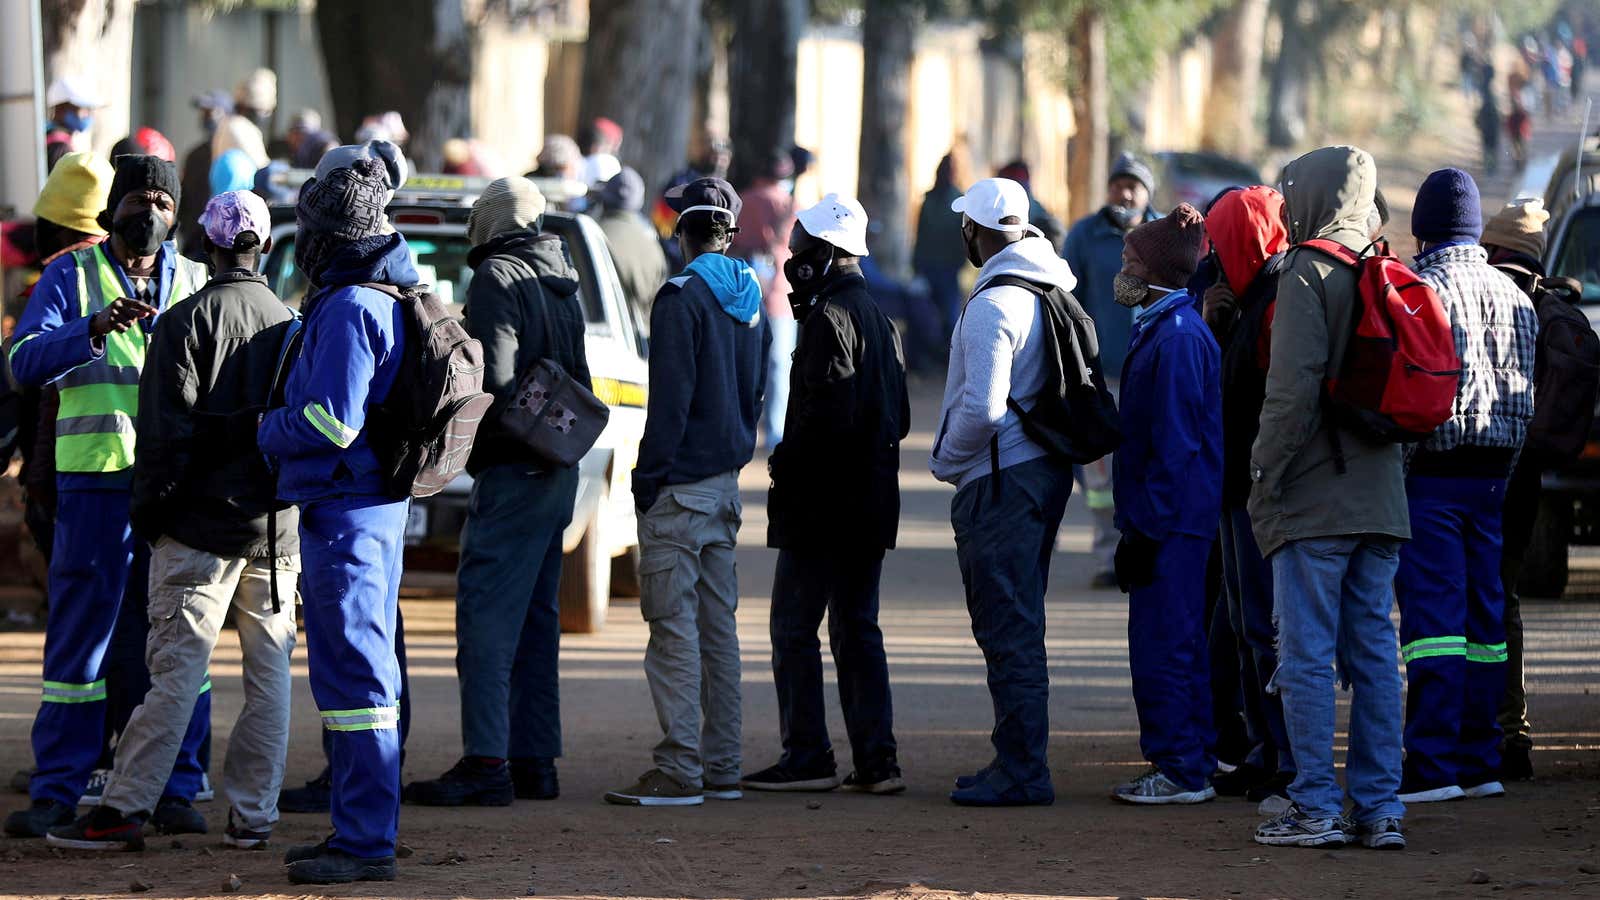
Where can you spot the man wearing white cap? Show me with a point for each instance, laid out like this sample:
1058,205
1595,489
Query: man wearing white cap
1010,495
834,508
72,105
202,495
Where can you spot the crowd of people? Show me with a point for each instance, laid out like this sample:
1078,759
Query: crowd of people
208,451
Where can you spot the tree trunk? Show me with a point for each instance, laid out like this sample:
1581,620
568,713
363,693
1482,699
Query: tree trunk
1289,97
888,38
410,56
1091,109
639,71
762,61
92,41
1236,52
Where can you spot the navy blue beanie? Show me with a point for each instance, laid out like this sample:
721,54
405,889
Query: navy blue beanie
1448,209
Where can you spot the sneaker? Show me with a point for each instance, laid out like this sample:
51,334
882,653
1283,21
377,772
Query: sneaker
965,781
1432,795
1244,778
535,778
174,815
656,788
1296,829
782,778
722,791
21,780
886,781
984,794
315,797
206,794
1384,834
470,782
301,852
330,866
241,838
1483,790
37,820
1155,788
96,788
1516,763
102,828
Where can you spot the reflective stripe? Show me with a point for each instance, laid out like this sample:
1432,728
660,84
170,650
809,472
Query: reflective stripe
110,423
1487,653
377,718
12,353
205,688
334,430
1424,648
93,374
1100,499
67,692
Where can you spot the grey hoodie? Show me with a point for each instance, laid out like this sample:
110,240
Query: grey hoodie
996,352
1299,492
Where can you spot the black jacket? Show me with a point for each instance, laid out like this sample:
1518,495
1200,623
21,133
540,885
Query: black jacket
835,476
198,476
523,306
1244,342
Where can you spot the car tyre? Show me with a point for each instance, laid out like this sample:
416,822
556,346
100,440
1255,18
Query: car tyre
1544,564
586,583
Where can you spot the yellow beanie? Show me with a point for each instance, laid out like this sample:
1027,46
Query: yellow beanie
1518,227
76,192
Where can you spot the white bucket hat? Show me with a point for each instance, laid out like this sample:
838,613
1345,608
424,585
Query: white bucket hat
993,199
73,90
840,221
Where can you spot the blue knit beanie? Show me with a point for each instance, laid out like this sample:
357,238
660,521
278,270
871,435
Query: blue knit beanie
1448,209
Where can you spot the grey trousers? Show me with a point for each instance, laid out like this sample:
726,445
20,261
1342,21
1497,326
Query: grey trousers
190,592
689,594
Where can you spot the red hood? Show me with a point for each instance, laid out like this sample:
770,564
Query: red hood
1246,229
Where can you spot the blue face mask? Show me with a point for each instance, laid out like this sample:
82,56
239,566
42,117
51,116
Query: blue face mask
77,121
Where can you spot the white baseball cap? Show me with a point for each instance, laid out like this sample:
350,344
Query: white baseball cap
68,89
993,199
840,221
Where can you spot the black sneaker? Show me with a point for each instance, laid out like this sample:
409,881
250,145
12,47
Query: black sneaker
876,781
174,815
241,838
468,783
330,866
1238,783
782,778
1516,763
37,820
21,780
302,852
315,797
535,778
102,828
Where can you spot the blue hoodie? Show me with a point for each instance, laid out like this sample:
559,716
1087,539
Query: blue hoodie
354,343
708,372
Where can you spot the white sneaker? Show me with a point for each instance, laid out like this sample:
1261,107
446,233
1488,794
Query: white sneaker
96,788
1155,788
1436,795
1481,791
205,794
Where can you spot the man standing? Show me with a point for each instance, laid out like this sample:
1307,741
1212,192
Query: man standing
351,527
214,107
1330,524
1093,252
708,354
84,332
523,307
635,250
1452,600
834,508
1009,495
72,107
762,240
1169,495
210,369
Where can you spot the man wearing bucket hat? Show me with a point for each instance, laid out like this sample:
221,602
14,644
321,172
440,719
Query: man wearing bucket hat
834,508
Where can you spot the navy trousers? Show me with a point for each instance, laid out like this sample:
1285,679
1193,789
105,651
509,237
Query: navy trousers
1171,668
1248,578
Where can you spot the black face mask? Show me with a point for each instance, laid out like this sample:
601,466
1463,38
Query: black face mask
806,273
142,233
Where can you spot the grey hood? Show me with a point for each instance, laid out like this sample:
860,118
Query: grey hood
1329,194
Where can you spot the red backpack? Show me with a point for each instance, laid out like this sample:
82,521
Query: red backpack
1400,371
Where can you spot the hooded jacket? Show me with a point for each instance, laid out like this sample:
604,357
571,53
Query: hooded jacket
835,476
1169,467
522,305
708,372
1298,491
351,353
997,352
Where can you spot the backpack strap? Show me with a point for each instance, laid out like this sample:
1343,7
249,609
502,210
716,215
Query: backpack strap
1334,249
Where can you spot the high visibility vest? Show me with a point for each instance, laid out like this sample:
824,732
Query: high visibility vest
100,399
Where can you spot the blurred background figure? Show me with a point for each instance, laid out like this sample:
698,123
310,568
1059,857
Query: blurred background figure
641,263
195,174
1038,216
72,105
145,142
600,140
384,126
254,100
232,171
940,252
307,140
763,242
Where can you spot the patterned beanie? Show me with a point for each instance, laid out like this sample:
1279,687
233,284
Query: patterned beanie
345,206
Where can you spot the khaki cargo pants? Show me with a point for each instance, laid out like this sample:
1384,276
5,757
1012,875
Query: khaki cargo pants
689,594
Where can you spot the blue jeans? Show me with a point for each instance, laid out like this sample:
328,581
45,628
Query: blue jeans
1334,597
1452,631
844,587
1005,527
785,335
1169,663
508,613
1248,579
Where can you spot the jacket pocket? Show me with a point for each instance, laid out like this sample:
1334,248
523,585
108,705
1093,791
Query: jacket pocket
663,581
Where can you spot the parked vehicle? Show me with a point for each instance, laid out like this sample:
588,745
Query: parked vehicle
1196,177
601,544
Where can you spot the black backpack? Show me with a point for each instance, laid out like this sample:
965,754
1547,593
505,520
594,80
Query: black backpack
423,431
1566,375
1074,418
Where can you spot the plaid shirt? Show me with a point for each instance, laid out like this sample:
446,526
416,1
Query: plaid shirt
1495,330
